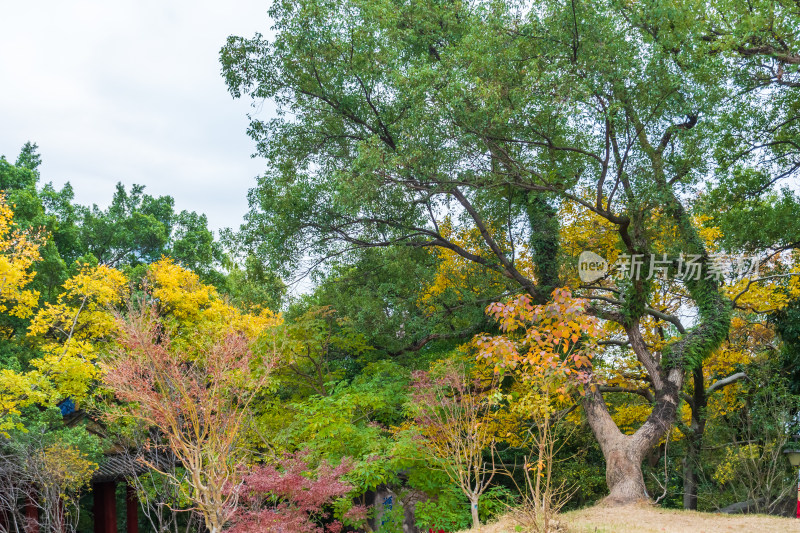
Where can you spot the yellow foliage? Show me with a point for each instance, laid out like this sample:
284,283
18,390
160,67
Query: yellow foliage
582,230
711,235
734,456
770,286
455,273
73,333
526,399
197,310
750,336
630,416
179,292
67,468
69,369
547,350
18,251
16,391
68,332
726,401
551,340
83,310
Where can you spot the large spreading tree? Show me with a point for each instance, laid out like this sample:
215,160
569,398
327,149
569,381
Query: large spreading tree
414,123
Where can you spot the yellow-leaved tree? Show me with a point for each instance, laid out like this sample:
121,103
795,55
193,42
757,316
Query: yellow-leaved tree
190,364
71,334
193,311
61,335
19,250
756,288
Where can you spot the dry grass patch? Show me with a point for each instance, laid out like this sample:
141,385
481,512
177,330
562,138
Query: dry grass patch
650,519
503,526
508,525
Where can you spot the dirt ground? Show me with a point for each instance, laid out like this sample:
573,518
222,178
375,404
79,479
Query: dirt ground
648,519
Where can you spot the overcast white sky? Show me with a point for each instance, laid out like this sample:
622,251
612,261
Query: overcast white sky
130,91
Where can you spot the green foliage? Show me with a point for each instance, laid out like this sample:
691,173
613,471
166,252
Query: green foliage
417,166
378,292
46,427
787,323
252,286
193,246
138,228
496,502
352,420
320,349
448,509
391,521
750,212
49,462
135,229
581,466
28,158
746,460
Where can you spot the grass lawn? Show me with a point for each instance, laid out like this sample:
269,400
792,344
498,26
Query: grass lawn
650,519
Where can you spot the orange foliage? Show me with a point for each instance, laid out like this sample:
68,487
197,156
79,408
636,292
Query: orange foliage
553,340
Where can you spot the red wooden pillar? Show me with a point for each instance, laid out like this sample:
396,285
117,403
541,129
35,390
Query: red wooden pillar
132,509
97,508
61,522
105,507
31,512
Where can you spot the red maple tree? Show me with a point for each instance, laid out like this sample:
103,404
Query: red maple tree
294,498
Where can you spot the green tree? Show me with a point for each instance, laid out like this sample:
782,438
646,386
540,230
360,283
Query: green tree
386,294
135,229
396,118
138,229
250,285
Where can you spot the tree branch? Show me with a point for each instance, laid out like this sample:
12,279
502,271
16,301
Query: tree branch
645,393
722,383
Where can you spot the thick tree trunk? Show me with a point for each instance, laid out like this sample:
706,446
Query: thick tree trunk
624,453
624,474
665,370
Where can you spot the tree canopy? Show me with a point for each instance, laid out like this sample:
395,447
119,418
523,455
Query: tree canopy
555,240
409,125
